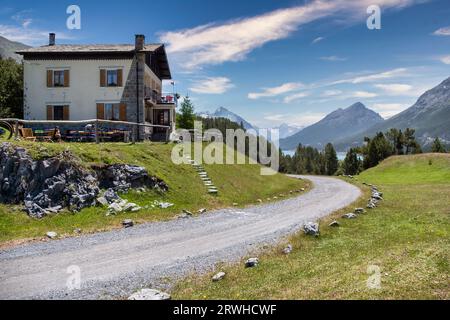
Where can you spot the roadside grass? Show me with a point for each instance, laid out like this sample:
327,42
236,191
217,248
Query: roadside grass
407,237
241,184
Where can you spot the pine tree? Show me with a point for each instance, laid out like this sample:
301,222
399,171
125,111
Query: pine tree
437,147
331,160
351,163
185,119
11,89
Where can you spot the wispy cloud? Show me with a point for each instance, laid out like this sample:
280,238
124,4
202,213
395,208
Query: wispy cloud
275,91
331,93
445,31
387,110
362,94
216,43
212,85
395,73
23,18
299,119
317,40
333,58
445,59
294,97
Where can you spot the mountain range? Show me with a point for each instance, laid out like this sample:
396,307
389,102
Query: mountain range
8,49
337,125
429,116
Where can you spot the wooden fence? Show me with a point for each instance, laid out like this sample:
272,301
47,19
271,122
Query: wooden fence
15,123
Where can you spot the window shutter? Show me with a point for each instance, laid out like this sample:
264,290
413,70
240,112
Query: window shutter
102,78
66,78
123,112
49,112
101,111
49,78
119,77
66,114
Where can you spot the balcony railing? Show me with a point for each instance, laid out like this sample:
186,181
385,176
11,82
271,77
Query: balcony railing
165,98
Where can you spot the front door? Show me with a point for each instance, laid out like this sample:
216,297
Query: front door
161,118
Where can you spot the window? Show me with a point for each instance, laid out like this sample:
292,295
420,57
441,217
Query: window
111,77
58,78
112,111
58,112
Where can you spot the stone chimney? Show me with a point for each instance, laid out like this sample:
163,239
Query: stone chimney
140,42
51,39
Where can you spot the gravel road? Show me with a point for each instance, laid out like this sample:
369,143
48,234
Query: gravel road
117,263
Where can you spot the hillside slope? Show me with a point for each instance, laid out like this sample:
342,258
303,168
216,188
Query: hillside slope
337,125
240,184
8,49
405,241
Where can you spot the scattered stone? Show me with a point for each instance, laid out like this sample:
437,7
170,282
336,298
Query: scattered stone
349,216
359,211
149,294
235,204
202,211
115,208
252,262
311,229
188,213
219,276
51,235
110,196
128,223
302,189
259,201
77,231
102,201
334,224
288,249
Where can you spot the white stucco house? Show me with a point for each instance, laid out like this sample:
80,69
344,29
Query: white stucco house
113,82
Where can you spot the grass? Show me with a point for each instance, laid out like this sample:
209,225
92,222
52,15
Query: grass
407,237
241,184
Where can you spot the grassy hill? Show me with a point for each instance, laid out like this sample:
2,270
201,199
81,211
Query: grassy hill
241,184
407,237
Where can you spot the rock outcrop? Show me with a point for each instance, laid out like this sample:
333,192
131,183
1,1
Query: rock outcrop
47,186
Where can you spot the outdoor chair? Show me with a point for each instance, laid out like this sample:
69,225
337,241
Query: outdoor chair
27,134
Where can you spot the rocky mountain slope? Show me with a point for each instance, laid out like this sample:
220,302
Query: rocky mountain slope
429,116
8,49
337,125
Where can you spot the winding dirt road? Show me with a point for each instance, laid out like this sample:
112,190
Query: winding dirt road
114,264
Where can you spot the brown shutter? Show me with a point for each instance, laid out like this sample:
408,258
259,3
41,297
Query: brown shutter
66,78
66,114
101,111
119,77
49,112
49,78
102,78
123,112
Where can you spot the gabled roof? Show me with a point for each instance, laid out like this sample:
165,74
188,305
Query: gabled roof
93,51
90,48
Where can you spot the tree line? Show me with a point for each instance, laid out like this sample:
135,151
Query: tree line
11,89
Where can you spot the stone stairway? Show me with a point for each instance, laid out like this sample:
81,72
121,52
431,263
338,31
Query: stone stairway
212,189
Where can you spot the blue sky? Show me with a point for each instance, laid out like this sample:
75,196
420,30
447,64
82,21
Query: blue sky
269,61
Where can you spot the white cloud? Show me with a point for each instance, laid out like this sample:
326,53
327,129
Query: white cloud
445,31
30,36
300,119
216,43
445,59
275,91
212,85
362,94
331,93
387,110
395,73
317,40
294,97
396,89
333,58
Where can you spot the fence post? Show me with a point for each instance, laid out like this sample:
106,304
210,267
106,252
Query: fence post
133,137
97,138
